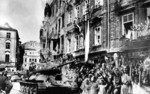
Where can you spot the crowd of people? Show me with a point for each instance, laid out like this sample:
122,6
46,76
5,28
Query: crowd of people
104,78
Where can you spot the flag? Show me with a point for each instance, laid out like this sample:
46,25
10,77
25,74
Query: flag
128,35
87,44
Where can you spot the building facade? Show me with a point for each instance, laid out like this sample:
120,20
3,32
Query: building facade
31,54
116,27
9,41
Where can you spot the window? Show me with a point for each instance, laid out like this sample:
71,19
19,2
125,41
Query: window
59,21
53,11
30,59
7,45
8,35
81,41
127,23
68,45
43,45
62,43
6,58
63,19
148,14
78,41
78,11
25,60
35,60
54,45
69,40
25,53
97,34
69,17
41,32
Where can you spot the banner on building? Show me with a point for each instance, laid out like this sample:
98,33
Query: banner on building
87,42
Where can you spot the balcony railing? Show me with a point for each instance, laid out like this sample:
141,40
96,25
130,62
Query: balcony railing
140,31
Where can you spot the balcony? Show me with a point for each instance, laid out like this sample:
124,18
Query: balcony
124,5
139,32
138,38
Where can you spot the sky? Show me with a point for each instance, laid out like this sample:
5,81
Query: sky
24,15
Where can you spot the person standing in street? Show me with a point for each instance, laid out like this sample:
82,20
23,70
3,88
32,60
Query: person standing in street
126,80
5,84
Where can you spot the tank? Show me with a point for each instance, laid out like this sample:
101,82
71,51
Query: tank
38,83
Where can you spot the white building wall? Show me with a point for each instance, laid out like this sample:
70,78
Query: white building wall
32,49
12,41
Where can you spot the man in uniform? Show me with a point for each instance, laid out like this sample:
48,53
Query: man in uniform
5,84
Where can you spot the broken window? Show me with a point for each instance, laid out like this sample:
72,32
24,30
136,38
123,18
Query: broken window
97,34
127,23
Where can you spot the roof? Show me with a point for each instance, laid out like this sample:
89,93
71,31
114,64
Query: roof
7,27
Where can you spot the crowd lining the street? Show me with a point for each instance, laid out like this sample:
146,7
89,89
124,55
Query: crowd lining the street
105,77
